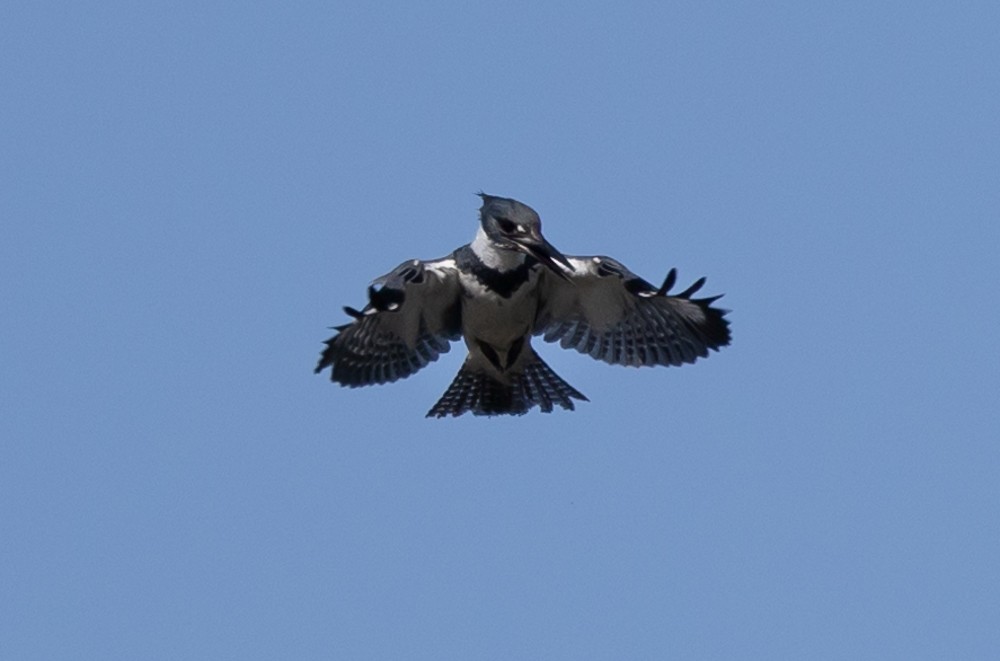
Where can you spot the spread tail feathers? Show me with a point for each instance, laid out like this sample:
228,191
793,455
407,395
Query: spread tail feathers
481,393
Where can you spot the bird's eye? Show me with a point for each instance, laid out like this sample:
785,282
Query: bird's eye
506,226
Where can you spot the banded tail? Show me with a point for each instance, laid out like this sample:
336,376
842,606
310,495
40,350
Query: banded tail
477,391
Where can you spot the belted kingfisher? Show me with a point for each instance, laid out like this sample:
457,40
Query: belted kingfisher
497,292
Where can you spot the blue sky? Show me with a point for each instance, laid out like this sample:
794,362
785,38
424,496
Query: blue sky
192,191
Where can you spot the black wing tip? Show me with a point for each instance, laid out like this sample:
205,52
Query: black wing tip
716,328
327,357
671,280
353,313
668,282
698,284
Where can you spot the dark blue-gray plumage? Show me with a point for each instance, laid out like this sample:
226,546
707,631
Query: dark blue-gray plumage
497,292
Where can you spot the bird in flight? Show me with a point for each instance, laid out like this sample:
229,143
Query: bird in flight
497,292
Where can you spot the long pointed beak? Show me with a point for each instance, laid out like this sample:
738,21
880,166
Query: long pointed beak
546,253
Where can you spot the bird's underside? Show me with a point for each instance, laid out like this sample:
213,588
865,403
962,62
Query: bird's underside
497,293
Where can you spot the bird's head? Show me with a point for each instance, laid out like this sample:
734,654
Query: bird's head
512,225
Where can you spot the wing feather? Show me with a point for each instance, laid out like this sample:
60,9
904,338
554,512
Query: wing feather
412,315
606,311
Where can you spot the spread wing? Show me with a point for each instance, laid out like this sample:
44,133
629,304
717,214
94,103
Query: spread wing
604,310
409,321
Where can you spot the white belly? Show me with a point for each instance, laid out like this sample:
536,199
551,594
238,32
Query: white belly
495,320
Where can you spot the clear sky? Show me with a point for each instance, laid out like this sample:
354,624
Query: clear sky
191,191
